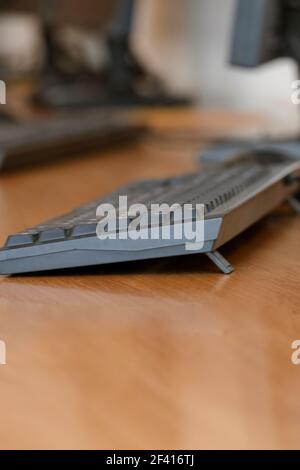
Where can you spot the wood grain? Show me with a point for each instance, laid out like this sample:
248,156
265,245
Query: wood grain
158,354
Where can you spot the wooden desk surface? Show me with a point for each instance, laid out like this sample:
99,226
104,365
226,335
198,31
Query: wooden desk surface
158,354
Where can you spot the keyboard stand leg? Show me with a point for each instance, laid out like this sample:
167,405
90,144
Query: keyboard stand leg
295,204
220,262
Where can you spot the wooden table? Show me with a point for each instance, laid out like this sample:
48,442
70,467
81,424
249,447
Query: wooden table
158,354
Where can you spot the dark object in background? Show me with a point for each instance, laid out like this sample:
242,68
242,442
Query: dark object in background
265,30
235,196
124,82
234,150
50,139
87,13
23,143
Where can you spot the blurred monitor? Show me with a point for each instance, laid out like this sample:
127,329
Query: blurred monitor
265,30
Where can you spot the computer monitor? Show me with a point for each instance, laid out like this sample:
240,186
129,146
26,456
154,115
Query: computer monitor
265,30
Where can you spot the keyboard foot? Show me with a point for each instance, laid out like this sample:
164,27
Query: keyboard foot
220,262
295,204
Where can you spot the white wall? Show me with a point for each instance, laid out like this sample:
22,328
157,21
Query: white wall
188,43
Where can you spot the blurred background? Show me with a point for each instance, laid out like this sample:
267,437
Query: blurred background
186,44
192,51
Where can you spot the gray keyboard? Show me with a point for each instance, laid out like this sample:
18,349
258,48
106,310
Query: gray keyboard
65,134
234,196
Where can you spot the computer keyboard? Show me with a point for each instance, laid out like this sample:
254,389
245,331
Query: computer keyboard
234,196
64,134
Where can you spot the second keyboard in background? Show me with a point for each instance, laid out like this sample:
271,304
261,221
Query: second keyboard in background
63,135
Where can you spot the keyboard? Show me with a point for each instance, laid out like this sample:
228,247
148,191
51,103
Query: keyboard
66,134
233,196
